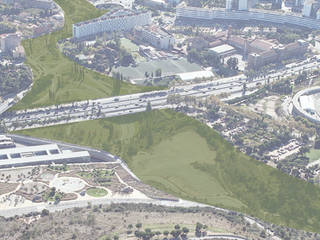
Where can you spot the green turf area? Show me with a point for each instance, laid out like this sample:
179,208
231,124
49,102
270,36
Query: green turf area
188,149
182,156
97,192
58,79
313,155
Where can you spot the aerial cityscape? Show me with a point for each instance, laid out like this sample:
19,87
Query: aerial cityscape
160,119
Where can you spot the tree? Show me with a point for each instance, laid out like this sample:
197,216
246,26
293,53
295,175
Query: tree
148,108
44,212
317,143
175,233
301,78
198,229
233,63
52,192
263,234
303,150
158,72
185,232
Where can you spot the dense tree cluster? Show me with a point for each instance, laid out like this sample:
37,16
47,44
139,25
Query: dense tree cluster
287,35
14,79
6,29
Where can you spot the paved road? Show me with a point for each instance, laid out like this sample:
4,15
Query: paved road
84,203
134,103
221,236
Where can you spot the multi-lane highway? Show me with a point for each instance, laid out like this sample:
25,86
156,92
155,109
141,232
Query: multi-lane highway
134,103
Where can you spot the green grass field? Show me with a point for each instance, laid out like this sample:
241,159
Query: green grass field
180,155
313,155
96,192
156,167
58,79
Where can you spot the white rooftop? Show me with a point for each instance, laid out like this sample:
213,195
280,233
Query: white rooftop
124,3
37,154
45,147
307,103
222,48
193,75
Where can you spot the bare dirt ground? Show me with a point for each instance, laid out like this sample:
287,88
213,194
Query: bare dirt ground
104,222
7,187
267,106
107,221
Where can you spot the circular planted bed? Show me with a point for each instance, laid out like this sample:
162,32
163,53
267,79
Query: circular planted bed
97,192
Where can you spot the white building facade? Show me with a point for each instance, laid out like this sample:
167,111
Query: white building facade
307,8
42,154
243,5
256,15
120,20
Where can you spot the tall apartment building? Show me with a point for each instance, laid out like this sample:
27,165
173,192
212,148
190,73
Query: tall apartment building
228,4
307,8
193,13
156,36
243,5
8,42
118,20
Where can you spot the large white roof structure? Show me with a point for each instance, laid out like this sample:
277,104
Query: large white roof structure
124,3
41,154
222,49
188,76
307,103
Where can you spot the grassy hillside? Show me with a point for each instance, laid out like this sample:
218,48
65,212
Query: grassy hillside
184,157
57,79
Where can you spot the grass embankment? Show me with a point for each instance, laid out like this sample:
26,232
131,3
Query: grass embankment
180,155
57,79
313,154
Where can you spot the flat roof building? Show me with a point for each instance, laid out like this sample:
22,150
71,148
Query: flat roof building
156,36
222,50
41,154
6,142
